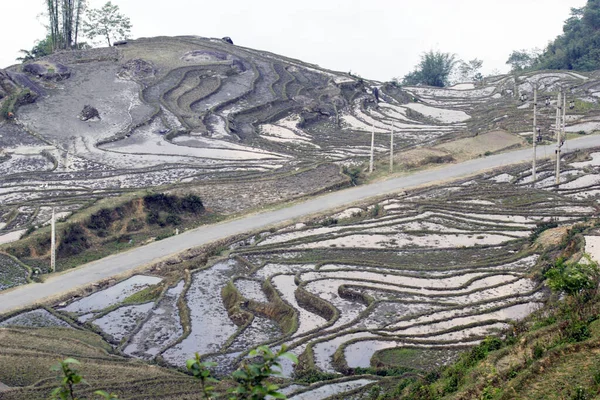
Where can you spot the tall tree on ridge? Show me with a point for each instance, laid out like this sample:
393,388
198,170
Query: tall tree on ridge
64,19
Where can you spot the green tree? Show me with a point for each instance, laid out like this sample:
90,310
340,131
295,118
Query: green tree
434,69
469,71
200,370
251,376
108,23
64,21
69,379
578,47
522,59
41,48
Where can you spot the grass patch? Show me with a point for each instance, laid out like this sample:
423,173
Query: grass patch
151,293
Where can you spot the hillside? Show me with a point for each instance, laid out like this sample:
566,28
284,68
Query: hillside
387,289
239,127
133,142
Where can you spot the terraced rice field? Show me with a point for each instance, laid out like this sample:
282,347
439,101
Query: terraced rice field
200,114
434,270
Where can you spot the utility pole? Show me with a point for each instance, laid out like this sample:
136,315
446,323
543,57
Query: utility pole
392,149
534,136
564,118
53,243
558,135
372,147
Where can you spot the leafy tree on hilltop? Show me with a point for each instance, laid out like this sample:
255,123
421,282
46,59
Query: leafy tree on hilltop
64,20
107,22
577,48
41,48
433,70
469,71
522,59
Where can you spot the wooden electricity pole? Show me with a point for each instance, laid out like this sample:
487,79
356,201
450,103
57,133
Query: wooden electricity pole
534,136
53,243
372,148
558,135
392,149
564,119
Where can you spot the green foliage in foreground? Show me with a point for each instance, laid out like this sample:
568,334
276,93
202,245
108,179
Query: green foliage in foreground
69,380
579,280
250,377
555,339
201,371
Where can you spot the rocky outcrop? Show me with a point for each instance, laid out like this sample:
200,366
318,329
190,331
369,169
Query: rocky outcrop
7,86
89,113
137,70
48,71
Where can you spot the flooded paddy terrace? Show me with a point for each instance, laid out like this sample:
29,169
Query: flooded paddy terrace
435,270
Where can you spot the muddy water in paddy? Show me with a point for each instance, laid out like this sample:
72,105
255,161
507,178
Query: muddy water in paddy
121,322
210,324
39,318
330,389
112,295
251,290
161,328
307,321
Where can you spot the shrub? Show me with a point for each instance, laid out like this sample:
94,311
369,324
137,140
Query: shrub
70,378
329,221
541,227
74,241
173,219
376,210
577,331
597,377
160,202
200,370
579,281
153,218
538,351
134,225
124,238
374,392
164,235
580,394
192,204
354,173
101,220
251,377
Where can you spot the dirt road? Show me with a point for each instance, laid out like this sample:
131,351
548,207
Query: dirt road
117,264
